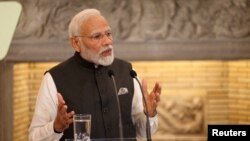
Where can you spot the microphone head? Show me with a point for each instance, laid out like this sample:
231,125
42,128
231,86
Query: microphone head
111,73
133,73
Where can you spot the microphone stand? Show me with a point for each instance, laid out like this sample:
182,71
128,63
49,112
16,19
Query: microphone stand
148,130
111,75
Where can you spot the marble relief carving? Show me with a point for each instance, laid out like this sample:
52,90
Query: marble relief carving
182,113
141,20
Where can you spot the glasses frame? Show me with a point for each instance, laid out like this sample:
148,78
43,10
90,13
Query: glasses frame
97,37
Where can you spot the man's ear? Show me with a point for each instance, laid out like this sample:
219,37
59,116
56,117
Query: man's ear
75,43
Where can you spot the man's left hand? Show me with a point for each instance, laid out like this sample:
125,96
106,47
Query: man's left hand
152,98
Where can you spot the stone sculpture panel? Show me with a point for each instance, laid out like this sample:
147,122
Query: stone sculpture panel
182,114
140,20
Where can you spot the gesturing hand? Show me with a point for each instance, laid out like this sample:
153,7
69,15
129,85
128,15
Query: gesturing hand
152,98
63,119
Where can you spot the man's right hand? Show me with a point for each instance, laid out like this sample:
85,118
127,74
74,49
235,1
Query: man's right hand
63,119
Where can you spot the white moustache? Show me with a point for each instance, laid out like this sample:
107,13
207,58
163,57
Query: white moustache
103,49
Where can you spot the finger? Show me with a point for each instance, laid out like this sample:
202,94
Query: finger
157,97
63,110
60,100
70,120
71,114
157,88
144,87
66,126
151,97
70,117
155,103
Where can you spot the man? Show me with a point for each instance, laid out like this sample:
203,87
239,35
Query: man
81,85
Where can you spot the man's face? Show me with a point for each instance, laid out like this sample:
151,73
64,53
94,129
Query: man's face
96,41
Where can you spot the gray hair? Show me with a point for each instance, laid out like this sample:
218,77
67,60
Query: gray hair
78,19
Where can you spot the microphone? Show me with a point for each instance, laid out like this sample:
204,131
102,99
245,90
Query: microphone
111,75
148,130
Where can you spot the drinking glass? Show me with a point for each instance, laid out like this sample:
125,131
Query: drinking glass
82,127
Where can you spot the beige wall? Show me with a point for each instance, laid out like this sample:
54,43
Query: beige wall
238,92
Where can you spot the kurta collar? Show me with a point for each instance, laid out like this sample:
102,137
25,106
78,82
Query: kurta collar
85,63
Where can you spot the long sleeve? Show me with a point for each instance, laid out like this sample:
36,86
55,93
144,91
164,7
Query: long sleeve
138,116
41,128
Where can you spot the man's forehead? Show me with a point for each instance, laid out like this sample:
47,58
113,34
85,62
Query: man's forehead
95,24
96,31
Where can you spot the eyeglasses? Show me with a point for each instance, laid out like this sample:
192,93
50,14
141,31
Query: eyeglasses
98,36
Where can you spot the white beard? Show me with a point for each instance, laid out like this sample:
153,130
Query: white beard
97,58
108,60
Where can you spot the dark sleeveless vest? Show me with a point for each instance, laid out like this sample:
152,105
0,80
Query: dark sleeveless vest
89,90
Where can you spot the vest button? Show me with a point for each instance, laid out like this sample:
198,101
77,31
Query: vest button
105,110
100,72
109,129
